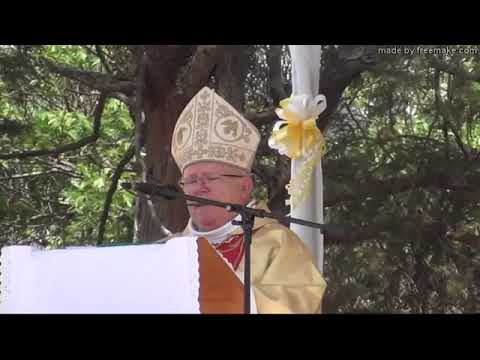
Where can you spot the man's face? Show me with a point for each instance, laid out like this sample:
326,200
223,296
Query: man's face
208,180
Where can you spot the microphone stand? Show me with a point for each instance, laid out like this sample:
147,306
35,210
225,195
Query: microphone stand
248,214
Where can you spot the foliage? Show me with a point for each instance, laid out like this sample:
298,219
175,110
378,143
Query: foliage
424,252
61,202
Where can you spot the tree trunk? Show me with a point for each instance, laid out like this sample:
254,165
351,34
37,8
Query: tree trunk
173,75
231,74
163,105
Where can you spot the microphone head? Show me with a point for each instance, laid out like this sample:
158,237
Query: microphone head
170,191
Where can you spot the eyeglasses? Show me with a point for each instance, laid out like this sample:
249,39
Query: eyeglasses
207,179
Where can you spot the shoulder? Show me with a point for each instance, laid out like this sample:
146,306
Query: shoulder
268,230
277,235
275,227
281,248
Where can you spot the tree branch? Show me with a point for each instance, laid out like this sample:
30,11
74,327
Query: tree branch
373,231
139,113
459,141
231,73
68,147
113,187
163,64
436,63
139,116
263,148
442,178
349,110
38,173
100,81
101,56
341,67
197,72
129,101
445,114
263,117
61,166
274,60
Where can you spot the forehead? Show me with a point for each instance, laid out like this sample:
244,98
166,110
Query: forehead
209,167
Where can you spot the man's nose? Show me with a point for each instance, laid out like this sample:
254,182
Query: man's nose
202,181
202,188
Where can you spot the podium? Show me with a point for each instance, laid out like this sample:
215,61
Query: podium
184,275
221,291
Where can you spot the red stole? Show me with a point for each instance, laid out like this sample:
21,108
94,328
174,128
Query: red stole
232,249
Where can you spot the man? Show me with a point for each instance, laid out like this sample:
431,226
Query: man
214,146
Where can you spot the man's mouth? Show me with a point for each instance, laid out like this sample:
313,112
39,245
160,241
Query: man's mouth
194,204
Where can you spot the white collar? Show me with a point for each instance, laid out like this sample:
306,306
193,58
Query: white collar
220,234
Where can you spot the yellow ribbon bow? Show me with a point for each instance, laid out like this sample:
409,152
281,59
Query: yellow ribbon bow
298,138
295,137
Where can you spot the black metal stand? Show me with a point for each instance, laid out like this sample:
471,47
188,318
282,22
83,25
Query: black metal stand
171,192
247,224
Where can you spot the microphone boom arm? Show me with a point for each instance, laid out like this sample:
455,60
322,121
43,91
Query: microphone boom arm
171,192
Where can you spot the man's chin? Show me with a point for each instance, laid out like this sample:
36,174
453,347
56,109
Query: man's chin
205,227
205,223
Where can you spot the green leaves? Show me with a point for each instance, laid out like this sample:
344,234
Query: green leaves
73,55
116,121
394,130
86,198
42,110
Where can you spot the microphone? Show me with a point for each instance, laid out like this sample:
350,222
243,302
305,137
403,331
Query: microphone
168,192
332,232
